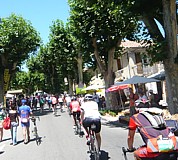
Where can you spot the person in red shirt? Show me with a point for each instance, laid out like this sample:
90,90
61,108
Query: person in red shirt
147,132
132,98
75,110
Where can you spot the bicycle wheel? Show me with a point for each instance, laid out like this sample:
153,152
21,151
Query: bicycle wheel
124,153
96,150
78,127
37,139
92,146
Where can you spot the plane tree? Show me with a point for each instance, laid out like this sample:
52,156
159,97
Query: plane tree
102,25
28,81
163,46
57,60
18,39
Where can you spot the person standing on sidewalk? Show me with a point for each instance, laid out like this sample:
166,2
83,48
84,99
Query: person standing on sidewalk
13,115
132,98
2,117
24,113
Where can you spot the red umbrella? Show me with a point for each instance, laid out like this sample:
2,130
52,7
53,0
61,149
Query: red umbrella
116,88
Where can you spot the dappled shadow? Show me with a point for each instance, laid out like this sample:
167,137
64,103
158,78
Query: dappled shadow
103,155
115,124
122,121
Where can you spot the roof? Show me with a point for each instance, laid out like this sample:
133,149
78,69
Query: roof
128,44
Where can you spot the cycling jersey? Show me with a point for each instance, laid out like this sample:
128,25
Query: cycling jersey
75,106
91,110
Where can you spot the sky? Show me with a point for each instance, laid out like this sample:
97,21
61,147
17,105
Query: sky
41,13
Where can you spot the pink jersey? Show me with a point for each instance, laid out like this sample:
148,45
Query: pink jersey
75,106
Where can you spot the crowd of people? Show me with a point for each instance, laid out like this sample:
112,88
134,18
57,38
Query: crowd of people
84,108
148,121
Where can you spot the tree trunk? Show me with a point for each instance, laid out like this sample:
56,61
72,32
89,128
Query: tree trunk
1,87
70,81
171,63
111,99
80,70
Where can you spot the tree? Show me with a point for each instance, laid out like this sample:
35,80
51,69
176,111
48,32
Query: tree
57,60
17,40
28,81
164,48
102,25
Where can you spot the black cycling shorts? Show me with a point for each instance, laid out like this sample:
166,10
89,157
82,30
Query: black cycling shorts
76,114
87,122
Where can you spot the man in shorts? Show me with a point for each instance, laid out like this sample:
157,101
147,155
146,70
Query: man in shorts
24,113
90,115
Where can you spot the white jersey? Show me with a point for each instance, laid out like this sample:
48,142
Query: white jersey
90,109
68,99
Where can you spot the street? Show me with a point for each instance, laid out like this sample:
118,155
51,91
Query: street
60,143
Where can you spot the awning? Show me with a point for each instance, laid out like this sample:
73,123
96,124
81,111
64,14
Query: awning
137,80
159,75
15,91
116,88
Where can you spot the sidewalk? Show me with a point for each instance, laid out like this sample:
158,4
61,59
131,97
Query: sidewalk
110,118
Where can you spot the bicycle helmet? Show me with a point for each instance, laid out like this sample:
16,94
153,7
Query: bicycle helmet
23,100
88,97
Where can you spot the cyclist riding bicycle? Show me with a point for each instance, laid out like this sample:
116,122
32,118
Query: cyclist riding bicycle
75,110
160,143
90,115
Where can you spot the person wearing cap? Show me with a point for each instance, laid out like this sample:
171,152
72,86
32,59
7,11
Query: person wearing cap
24,113
90,115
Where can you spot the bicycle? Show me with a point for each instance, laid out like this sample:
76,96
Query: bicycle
165,155
93,145
78,129
35,130
69,111
55,111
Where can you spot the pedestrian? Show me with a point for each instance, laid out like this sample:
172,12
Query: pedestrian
103,103
13,115
24,113
153,98
132,98
2,117
96,97
54,102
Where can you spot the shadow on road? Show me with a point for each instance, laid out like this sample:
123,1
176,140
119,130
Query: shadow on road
113,124
6,139
103,156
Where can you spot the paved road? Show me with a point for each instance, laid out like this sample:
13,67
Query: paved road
60,143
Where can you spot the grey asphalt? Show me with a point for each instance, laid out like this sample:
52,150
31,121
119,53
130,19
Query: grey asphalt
60,143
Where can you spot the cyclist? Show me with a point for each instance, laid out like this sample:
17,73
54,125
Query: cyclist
75,110
90,115
144,121
54,102
24,113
